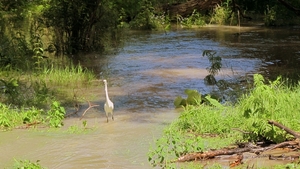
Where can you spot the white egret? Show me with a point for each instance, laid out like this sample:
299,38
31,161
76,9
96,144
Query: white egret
109,105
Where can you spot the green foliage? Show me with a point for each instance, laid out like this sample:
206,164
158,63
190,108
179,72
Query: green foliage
70,76
143,20
6,116
128,9
77,129
56,115
17,18
220,14
172,145
207,119
10,118
270,16
210,126
27,164
10,88
216,65
215,61
189,133
14,50
40,89
193,98
31,116
195,19
270,102
37,44
277,15
27,93
82,23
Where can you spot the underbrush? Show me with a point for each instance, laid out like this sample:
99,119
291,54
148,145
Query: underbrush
34,98
38,89
210,126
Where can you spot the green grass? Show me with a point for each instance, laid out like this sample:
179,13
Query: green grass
39,88
213,126
26,164
36,96
70,76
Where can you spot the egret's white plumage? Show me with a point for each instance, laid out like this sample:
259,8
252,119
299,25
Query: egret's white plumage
109,105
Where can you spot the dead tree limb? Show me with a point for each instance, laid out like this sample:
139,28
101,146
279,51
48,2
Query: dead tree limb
250,148
290,7
288,130
90,106
283,144
211,154
28,125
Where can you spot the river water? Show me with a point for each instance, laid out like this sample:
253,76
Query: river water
144,76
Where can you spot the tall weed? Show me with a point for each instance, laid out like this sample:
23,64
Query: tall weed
11,118
195,19
220,15
272,101
70,76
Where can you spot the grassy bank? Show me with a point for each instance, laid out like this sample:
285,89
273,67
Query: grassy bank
204,127
39,97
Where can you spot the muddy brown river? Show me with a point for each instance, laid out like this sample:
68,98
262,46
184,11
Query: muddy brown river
144,76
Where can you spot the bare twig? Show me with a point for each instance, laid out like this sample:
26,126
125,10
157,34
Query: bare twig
90,106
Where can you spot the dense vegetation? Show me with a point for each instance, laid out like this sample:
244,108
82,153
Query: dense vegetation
31,30
39,38
212,126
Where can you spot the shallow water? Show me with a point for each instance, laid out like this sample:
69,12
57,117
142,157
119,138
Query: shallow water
144,77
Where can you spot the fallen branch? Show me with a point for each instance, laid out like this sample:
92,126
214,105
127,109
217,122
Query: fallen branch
28,125
288,130
90,106
284,157
211,154
295,144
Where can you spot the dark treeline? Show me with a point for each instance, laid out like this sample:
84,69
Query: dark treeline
29,29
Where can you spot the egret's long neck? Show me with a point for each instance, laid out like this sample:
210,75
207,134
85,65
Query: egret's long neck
106,92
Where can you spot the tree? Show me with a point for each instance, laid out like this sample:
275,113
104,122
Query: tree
289,6
79,23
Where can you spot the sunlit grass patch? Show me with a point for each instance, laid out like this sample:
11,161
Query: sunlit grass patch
272,101
212,126
70,76
11,118
27,164
40,88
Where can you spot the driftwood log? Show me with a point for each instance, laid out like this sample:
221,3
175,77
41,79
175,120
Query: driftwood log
294,144
211,154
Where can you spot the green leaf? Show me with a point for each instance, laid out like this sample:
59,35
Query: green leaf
14,82
193,98
213,102
177,102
